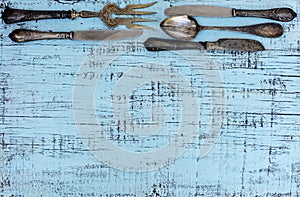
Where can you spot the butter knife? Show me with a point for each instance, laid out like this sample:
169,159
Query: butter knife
25,35
279,14
158,44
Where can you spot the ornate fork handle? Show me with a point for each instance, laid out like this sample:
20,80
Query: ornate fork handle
279,14
17,15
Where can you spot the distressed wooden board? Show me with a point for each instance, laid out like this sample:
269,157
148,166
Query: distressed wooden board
42,151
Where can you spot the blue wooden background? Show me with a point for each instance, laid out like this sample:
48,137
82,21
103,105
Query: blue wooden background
43,152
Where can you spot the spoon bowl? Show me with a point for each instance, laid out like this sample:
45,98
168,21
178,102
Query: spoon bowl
180,27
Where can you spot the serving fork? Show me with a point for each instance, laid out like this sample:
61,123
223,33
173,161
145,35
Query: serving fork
18,15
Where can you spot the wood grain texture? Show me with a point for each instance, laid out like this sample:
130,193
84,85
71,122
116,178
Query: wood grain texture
42,153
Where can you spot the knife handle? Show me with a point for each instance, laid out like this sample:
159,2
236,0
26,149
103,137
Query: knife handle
278,14
24,35
158,44
16,15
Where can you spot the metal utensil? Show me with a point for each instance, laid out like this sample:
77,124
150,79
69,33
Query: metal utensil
24,35
186,28
158,44
279,14
16,15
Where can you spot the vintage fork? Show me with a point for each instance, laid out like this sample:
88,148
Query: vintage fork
17,15
110,9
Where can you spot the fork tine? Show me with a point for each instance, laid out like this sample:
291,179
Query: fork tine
136,26
141,12
141,20
129,22
140,6
130,8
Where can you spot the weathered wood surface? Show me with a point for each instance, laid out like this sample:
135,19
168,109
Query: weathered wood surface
42,152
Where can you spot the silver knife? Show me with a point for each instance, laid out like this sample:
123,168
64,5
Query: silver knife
25,35
158,44
279,14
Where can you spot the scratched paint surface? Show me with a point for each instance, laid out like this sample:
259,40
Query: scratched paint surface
43,152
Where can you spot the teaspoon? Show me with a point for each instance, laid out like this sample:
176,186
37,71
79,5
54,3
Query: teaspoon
186,28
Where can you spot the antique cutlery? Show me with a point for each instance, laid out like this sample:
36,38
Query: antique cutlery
24,35
16,15
186,28
279,14
158,44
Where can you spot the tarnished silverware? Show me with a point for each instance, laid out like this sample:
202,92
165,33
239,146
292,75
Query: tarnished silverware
24,35
16,15
186,28
158,44
279,14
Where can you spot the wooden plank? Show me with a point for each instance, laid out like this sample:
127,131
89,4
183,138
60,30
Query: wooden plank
43,152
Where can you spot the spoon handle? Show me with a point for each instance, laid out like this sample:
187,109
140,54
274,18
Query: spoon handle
269,30
279,14
17,15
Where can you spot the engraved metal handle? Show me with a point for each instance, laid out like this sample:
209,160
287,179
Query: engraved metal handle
269,30
158,44
24,35
16,15
279,14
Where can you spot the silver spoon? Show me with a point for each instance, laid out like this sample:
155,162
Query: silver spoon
186,28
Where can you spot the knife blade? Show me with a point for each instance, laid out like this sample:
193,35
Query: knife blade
158,44
279,14
25,35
